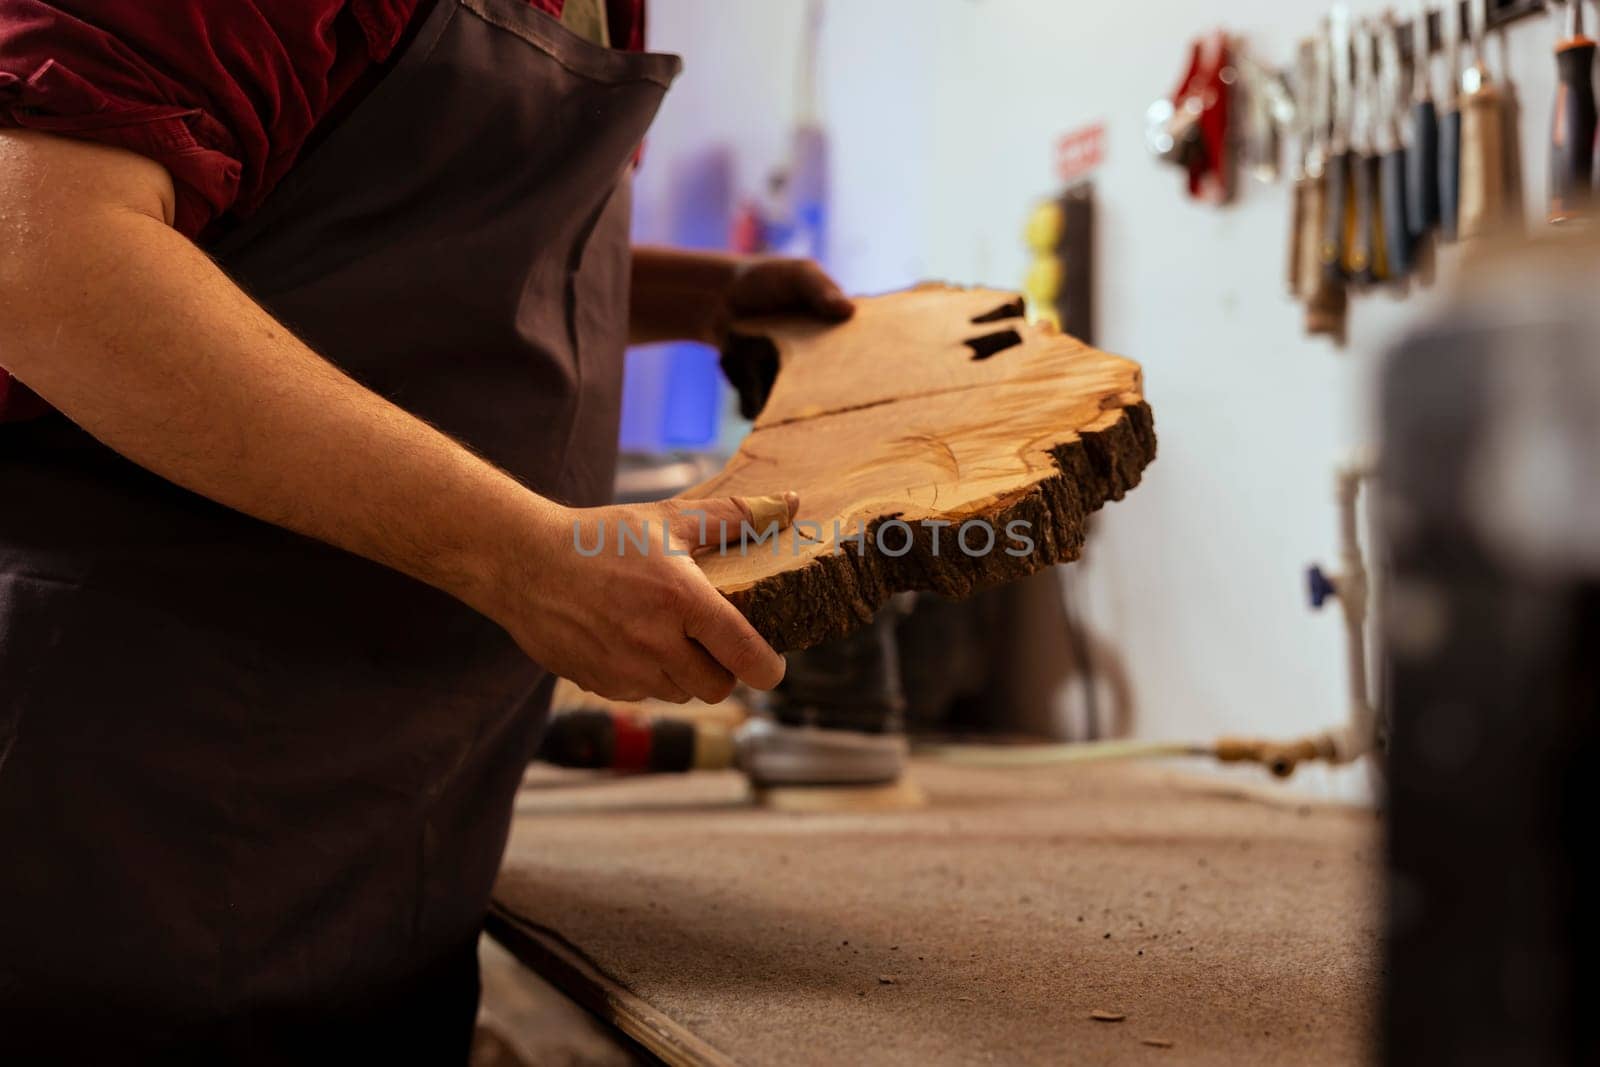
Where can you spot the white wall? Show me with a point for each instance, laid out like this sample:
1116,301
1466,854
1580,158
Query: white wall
942,115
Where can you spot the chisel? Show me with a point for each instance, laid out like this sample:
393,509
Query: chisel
1300,192
1422,172
1450,123
1322,287
1299,177
1364,234
1391,149
1338,205
1572,128
1483,147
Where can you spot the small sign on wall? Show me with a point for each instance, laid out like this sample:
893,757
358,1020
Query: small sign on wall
1080,151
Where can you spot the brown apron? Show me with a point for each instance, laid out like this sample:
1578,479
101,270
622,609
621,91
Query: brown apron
254,790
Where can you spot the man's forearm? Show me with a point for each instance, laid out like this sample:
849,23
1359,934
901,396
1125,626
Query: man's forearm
137,336
679,295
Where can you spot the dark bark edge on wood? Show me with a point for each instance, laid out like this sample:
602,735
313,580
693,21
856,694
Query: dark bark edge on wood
834,594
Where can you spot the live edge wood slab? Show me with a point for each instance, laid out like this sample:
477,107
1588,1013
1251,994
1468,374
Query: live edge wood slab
932,406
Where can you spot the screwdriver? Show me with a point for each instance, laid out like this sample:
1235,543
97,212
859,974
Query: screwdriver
1422,173
1572,128
1450,123
1483,147
1391,149
1337,207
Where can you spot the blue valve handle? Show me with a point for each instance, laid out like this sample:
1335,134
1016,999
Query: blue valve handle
1319,586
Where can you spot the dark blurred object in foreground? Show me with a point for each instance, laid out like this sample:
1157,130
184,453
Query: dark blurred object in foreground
1490,511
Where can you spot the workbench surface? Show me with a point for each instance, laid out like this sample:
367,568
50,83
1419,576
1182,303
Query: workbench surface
1239,924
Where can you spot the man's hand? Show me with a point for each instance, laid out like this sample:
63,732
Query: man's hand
785,287
773,287
631,623
694,296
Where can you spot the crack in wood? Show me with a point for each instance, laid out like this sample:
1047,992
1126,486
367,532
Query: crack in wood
992,344
1011,309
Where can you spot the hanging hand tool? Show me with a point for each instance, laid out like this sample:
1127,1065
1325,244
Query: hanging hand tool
1363,260
1450,124
1391,150
1572,128
1318,117
1194,129
1483,138
1300,203
1422,171
1302,183
1269,111
1321,284
1337,215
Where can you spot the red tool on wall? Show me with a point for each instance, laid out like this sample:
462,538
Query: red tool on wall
1192,129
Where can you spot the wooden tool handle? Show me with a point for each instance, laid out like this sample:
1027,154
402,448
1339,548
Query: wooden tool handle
1360,255
1336,183
1483,170
1309,246
1327,307
1322,284
1422,171
1299,196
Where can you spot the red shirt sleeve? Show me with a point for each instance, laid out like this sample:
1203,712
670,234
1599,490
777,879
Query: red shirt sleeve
221,94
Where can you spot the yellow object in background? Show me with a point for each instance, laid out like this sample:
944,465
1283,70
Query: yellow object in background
1042,286
1044,228
1043,282
1058,234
